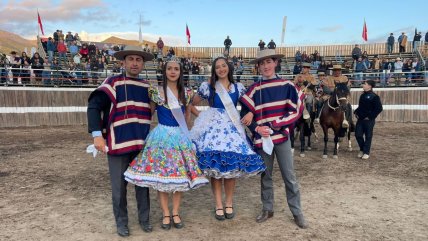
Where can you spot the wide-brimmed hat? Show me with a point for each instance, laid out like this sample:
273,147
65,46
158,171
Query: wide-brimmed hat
321,73
398,58
266,54
336,67
305,64
133,50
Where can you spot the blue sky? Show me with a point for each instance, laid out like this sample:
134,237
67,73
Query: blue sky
209,21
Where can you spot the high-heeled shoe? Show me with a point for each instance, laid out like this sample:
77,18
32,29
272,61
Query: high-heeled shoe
229,215
166,226
219,217
177,225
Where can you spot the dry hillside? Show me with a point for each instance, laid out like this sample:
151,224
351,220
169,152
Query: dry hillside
10,41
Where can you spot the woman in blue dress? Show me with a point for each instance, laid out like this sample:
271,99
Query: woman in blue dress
168,163
223,150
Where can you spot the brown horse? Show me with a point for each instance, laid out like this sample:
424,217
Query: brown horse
303,127
332,115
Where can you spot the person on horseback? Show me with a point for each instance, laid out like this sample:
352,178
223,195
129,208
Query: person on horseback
328,88
306,83
320,97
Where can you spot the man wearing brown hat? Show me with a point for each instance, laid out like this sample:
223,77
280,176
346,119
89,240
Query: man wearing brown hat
369,107
306,83
276,106
119,118
328,88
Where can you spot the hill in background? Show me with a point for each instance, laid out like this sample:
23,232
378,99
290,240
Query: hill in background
10,41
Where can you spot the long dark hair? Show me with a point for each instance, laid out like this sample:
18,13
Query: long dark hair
180,84
214,78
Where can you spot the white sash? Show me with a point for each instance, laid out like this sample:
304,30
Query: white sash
231,110
176,111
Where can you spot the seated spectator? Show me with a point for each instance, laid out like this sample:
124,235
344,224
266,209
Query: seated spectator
46,74
271,44
84,51
37,65
305,57
25,68
78,40
239,70
73,48
297,68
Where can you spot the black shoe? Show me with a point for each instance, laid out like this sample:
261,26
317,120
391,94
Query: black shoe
166,226
264,215
219,217
177,225
146,227
123,230
300,221
229,215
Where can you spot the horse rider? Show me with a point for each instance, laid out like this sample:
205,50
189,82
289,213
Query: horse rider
320,97
306,83
328,88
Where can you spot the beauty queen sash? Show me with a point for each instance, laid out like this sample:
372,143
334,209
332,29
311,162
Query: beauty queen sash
231,110
176,111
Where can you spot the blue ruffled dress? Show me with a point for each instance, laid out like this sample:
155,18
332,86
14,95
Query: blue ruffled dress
221,150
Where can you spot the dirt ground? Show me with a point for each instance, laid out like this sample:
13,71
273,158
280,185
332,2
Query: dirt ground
50,189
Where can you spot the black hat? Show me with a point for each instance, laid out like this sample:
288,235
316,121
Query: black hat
372,83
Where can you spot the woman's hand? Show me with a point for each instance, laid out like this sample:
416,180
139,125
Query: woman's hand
247,119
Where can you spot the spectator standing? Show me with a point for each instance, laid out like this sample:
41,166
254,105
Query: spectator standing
160,45
426,38
359,68
271,44
69,38
417,41
398,69
62,51
262,44
15,61
390,43
356,52
369,107
402,40
227,43
50,46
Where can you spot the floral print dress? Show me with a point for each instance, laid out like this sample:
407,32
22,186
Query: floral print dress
168,162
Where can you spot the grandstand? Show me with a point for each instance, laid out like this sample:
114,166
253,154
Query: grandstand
333,54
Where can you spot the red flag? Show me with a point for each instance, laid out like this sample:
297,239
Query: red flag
187,34
40,22
364,31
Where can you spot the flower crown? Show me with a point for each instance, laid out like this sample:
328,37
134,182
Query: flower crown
174,59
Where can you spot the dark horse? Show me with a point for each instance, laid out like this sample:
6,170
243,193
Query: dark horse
332,115
305,128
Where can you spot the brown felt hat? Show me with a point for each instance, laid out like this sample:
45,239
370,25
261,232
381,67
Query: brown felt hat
133,50
266,54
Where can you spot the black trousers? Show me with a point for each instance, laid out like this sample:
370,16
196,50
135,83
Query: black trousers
117,166
364,134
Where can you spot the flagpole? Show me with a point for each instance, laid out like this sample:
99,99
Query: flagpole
38,27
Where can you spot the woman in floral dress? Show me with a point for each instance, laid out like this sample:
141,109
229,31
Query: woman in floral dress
168,163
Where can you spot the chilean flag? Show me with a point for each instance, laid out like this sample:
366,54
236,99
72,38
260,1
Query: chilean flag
39,20
187,34
364,35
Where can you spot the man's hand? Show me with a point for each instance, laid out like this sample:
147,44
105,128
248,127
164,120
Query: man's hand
100,144
264,131
247,119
